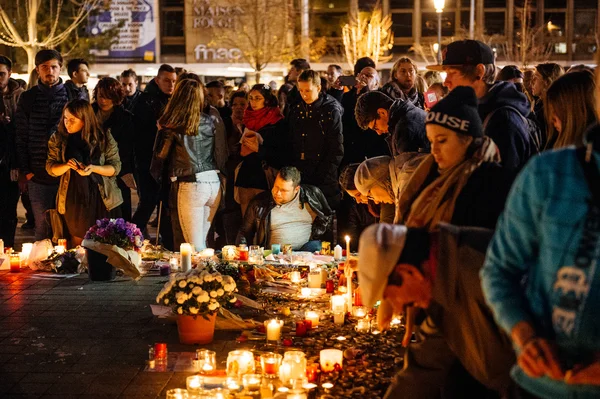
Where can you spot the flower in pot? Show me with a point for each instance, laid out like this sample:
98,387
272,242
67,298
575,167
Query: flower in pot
195,297
110,244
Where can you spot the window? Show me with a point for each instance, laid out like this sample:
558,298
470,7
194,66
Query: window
494,3
585,24
494,23
402,25
586,4
328,24
172,23
172,49
402,4
555,24
430,20
556,3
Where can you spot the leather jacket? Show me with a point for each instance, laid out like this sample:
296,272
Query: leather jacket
256,227
185,155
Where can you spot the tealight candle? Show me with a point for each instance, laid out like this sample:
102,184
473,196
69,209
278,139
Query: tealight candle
305,292
329,358
362,325
338,303
359,311
313,317
194,384
293,366
270,363
177,393
239,363
207,361
207,253
297,394
295,277
273,329
186,256
251,382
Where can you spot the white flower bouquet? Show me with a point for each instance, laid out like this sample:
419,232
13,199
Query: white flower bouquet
197,292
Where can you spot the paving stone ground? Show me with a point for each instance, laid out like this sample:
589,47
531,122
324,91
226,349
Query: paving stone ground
73,338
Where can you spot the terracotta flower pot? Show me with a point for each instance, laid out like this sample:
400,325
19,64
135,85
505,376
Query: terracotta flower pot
196,330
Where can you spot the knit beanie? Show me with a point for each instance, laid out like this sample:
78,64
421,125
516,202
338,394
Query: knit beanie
373,171
458,112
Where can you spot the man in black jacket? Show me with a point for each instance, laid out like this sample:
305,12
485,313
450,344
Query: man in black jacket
503,109
79,73
39,111
290,214
129,81
148,110
297,66
316,136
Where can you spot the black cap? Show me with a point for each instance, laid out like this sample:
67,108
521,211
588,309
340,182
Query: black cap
465,52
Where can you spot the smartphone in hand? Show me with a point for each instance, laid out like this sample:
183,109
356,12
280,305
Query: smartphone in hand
431,98
347,80
79,164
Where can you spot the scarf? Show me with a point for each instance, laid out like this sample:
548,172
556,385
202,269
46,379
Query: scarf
435,203
256,120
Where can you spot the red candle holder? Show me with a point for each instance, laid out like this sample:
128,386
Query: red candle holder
301,328
243,254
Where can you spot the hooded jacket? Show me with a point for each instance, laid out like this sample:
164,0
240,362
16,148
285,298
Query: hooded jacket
406,127
317,143
256,227
508,129
147,111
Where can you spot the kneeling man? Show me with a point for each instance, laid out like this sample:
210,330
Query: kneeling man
290,214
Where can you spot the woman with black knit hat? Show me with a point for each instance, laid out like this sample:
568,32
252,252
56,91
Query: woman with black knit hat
461,182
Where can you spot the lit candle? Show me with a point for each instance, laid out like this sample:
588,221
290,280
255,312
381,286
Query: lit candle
293,367
26,250
314,278
207,253
274,329
313,317
251,382
270,364
359,311
15,263
305,292
1,246
329,358
229,252
59,249
174,262
194,383
347,246
338,317
362,325
338,303
295,277
240,363
186,256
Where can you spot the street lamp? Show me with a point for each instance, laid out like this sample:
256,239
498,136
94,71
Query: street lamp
439,8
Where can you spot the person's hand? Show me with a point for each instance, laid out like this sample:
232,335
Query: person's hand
73,164
86,171
361,83
337,84
588,375
538,358
14,175
23,179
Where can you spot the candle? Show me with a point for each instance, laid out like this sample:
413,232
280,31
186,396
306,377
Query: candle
232,384
207,253
275,249
177,393
270,362
314,278
337,252
186,256
295,277
15,263
359,311
297,394
207,361
293,366
243,254
347,246
239,363
194,384
229,252
329,358
338,303
26,250
312,374
300,328
338,317
251,382
273,329
305,292
59,249
362,325
174,263
313,317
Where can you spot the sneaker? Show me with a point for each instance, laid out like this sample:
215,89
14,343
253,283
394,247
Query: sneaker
28,225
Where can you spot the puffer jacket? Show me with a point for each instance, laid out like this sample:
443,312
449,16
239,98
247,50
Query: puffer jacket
185,155
109,191
38,112
256,227
317,143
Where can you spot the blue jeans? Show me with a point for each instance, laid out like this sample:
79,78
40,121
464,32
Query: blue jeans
43,197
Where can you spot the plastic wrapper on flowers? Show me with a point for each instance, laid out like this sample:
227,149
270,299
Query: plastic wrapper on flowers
129,261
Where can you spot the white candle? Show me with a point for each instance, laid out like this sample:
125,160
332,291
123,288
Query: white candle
305,292
314,278
274,329
26,250
329,358
337,252
60,249
240,363
194,383
347,246
338,317
338,303
359,311
186,256
313,316
295,277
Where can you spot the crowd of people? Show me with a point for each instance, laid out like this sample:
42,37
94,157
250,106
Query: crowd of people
485,149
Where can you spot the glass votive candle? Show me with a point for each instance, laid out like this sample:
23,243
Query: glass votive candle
329,358
338,317
15,263
297,394
229,252
177,393
270,362
218,393
305,292
239,363
338,303
275,249
243,254
194,384
251,382
295,277
359,311
313,317
232,384
293,366
362,325
273,328
207,361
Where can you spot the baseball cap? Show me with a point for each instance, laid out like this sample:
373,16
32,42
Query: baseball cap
465,52
379,249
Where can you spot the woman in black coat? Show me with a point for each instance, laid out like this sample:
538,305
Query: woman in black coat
108,99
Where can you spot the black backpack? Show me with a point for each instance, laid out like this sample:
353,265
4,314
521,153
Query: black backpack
533,129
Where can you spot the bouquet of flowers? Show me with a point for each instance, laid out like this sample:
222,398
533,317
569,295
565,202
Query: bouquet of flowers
119,241
197,292
117,232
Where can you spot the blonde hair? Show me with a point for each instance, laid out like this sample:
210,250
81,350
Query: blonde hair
571,99
402,60
184,107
